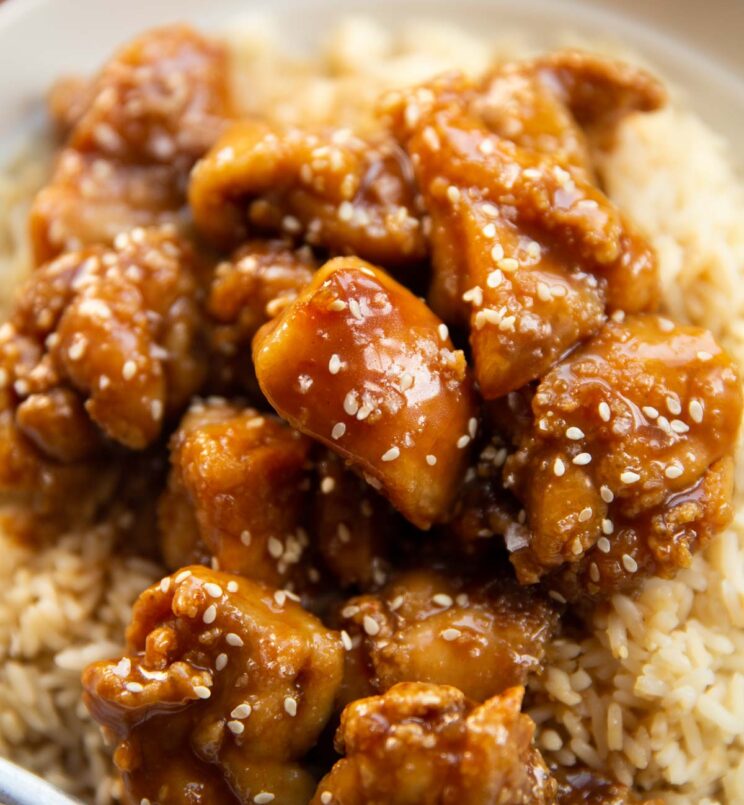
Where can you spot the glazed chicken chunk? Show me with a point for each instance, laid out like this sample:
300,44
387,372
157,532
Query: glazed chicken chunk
104,342
134,135
526,250
428,626
336,190
362,365
224,687
627,467
237,492
247,290
423,744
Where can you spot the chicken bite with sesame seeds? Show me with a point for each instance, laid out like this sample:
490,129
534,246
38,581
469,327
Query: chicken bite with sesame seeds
104,343
331,187
253,286
424,744
133,135
238,492
361,364
481,635
526,250
222,690
627,468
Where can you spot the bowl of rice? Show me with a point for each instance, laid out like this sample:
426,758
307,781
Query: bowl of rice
648,688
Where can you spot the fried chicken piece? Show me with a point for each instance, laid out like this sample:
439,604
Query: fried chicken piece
526,250
134,135
627,469
247,290
564,102
423,744
362,365
431,626
353,525
336,190
104,336
237,492
223,689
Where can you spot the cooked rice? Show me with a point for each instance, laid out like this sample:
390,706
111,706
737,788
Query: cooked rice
656,693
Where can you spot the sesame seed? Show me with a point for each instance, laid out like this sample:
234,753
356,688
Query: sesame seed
489,230
280,597
291,224
604,544
338,430
327,485
497,252
430,136
134,687
673,405
213,589
585,514
233,639
290,706
607,526
129,370
678,426
442,600
242,711
474,295
556,596
371,626
544,294
650,411
704,356
202,691
391,454
495,278
606,493
663,423
431,460
334,364
245,537
629,563
221,661
263,798
355,310
346,640
594,572
443,331
673,471
275,547
533,249
604,411
559,468
577,547
463,441
665,325
574,433
582,459
232,586
343,532
629,477
165,584
508,264
210,614
337,305
472,427
326,797
453,194
345,211
182,576
406,381
451,634
486,147
696,411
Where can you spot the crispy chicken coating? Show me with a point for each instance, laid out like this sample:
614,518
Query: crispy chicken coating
134,135
427,626
104,336
336,190
224,687
526,250
238,492
423,744
361,364
627,468
247,290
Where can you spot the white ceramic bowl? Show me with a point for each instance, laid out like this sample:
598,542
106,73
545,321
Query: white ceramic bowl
697,46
